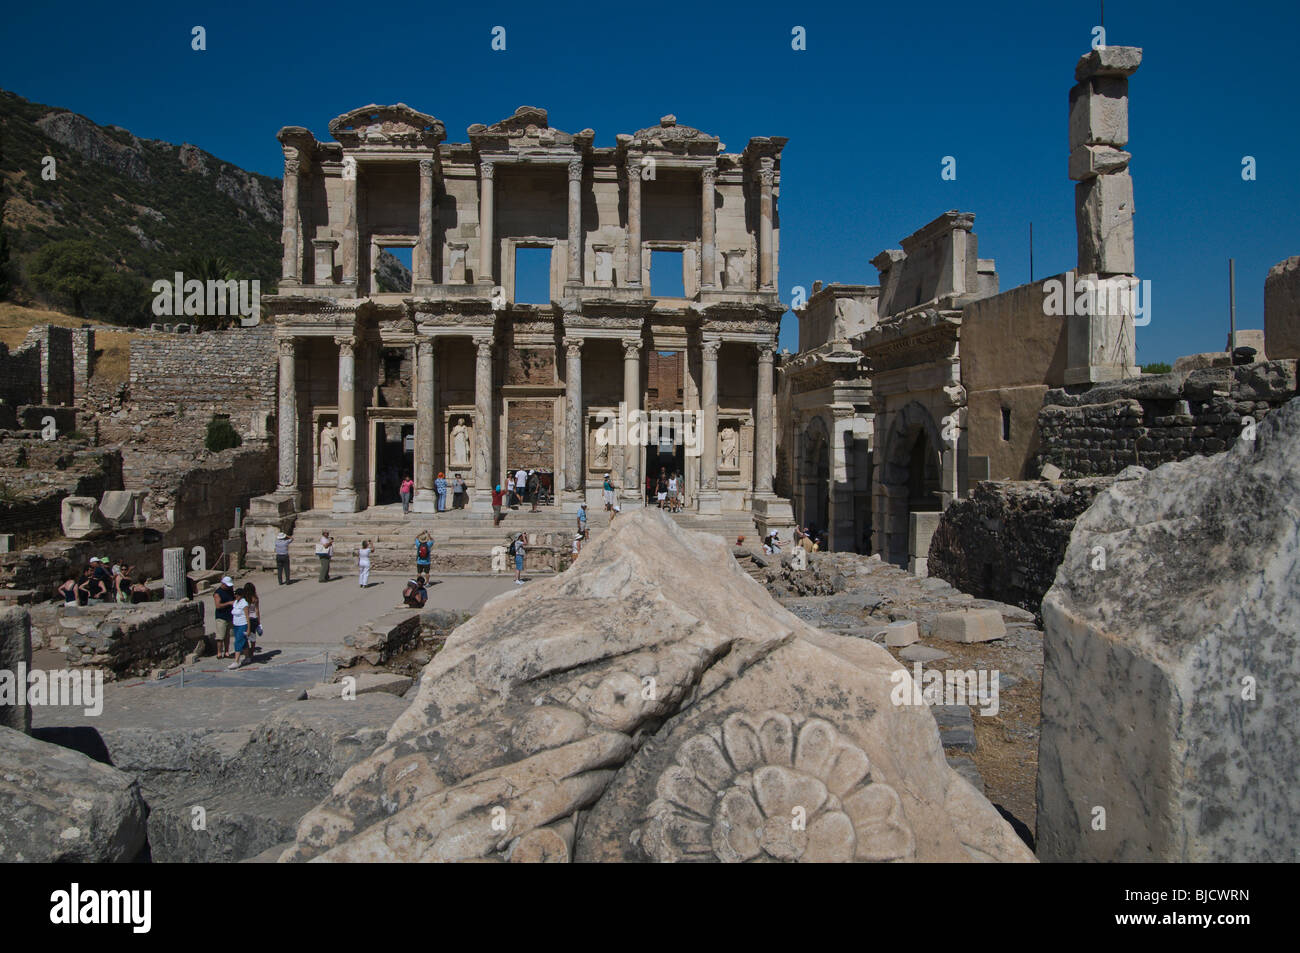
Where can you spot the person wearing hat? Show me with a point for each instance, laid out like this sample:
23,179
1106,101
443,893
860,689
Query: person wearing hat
223,598
517,548
608,490
582,520
423,553
440,488
324,552
497,497
282,541
577,544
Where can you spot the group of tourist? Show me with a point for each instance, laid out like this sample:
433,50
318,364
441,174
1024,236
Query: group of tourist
442,488
668,490
104,581
238,618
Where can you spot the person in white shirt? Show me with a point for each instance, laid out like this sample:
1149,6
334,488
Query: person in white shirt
521,485
363,563
239,622
510,490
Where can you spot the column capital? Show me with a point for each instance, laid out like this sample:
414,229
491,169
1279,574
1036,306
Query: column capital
349,169
346,342
487,170
710,349
292,164
709,174
766,352
767,175
484,344
631,348
426,167
575,170
573,347
286,346
426,344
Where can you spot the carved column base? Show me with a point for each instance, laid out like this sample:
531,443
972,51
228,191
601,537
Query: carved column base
708,503
346,501
425,501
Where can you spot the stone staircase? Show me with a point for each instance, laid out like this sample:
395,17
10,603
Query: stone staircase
463,540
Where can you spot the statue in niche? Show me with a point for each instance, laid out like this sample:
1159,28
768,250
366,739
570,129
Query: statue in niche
462,437
329,446
600,456
729,448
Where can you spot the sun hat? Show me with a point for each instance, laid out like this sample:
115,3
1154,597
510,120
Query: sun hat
227,581
94,559
282,536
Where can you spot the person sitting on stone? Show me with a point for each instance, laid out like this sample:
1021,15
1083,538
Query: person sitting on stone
140,591
84,585
68,591
415,595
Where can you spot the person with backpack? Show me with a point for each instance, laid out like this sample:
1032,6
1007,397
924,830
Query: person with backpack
415,595
423,553
517,548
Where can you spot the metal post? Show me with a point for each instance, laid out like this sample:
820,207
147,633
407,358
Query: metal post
1232,306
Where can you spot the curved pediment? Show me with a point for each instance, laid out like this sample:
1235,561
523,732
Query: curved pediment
672,136
398,124
529,128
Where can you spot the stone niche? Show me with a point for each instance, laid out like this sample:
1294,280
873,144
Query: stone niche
601,451
458,441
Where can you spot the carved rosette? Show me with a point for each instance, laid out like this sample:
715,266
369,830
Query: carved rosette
773,787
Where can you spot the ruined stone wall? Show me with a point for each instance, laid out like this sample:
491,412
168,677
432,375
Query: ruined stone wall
134,641
1157,419
1006,541
20,374
36,476
1282,310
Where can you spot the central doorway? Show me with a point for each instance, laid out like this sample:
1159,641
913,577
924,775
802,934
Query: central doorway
394,459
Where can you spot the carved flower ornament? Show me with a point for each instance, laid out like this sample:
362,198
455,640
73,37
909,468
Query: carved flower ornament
774,787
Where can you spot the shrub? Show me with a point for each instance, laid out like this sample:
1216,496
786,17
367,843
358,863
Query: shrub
1159,367
221,435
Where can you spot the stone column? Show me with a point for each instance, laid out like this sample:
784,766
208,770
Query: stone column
766,174
174,573
426,499
573,444
633,276
345,495
485,222
632,407
575,223
483,425
709,500
708,242
15,661
291,267
763,424
424,250
351,237
287,421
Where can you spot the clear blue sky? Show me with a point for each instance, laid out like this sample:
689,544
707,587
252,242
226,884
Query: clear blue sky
881,94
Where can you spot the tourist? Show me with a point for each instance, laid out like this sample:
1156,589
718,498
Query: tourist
510,489
534,487
254,618
609,494
806,542
363,563
661,490
69,589
140,591
582,520
84,585
325,552
672,492
521,484
577,544
517,549
458,493
282,541
121,584
614,512
496,505
239,625
223,599
103,588
423,553
407,488
440,487
414,596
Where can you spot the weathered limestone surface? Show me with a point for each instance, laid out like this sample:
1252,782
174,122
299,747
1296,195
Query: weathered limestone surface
59,806
1169,696
1282,309
15,650
691,721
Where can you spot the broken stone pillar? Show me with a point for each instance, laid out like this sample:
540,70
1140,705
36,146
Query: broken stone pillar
15,659
174,586
1098,133
121,508
1169,704
80,516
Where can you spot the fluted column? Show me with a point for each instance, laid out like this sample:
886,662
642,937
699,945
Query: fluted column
632,407
766,174
575,222
709,423
424,250
426,500
350,234
291,267
345,495
633,276
573,446
486,215
763,424
288,418
484,424
708,241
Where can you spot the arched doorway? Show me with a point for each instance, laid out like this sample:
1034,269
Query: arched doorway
911,481
814,508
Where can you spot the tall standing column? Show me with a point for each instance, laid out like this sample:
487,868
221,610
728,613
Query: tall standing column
426,500
486,215
763,424
575,223
424,250
573,447
345,495
291,268
632,407
288,418
633,276
709,499
483,424
766,174
350,233
708,242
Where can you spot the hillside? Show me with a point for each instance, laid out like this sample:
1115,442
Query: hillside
147,206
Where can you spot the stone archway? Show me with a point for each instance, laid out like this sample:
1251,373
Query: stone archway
815,475
911,479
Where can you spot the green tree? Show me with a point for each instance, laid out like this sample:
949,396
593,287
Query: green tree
5,284
68,272
221,435
1159,367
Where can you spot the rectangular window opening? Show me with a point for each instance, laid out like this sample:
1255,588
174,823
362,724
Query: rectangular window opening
666,274
393,269
532,275
1006,423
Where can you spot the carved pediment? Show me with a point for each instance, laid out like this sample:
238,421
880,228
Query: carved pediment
528,129
670,136
387,125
